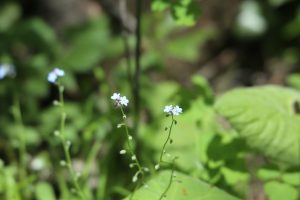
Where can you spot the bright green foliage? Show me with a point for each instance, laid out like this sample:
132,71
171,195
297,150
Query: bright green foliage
294,80
267,118
185,12
44,191
183,188
278,191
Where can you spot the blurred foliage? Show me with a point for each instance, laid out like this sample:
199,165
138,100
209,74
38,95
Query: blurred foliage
185,12
227,151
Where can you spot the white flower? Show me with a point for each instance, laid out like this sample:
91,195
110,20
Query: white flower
115,96
124,101
176,110
168,109
59,72
120,100
7,70
55,74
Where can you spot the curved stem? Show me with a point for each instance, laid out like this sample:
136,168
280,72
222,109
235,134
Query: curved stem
169,184
166,142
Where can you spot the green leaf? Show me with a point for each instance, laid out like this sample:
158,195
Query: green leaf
279,191
185,12
159,5
267,118
89,44
294,80
44,191
182,188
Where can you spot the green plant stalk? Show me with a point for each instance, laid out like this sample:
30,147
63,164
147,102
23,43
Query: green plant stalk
130,148
166,142
299,169
169,184
65,145
161,159
90,158
22,149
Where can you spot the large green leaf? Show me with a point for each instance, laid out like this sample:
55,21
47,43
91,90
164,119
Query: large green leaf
182,188
267,117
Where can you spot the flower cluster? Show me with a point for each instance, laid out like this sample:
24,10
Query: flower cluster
120,100
7,70
173,110
55,74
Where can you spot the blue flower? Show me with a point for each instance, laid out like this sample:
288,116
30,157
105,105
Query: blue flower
55,74
176,110
7,70
120,100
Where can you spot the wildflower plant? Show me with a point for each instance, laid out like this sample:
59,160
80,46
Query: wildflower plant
172,111
53,78
120,102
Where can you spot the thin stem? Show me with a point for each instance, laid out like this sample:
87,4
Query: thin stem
130,148
169,184
299,168
66,146
22,149
166,142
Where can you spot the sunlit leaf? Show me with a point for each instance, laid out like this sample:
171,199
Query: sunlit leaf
183,188
267,117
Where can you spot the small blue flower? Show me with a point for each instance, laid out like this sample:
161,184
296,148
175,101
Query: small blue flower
120,100
176,110
124,101
168,109
7,70
115,96
55,74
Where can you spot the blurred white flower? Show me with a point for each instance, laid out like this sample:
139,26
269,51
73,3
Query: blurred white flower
168,109
37,164
115,96
7,70
176,110
124,101
120,100
55,74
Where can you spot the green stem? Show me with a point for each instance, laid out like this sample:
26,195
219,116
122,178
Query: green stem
66,146
130,148
169,184
166,142
22,149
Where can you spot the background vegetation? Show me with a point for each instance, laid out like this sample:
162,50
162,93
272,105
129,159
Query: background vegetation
156,53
